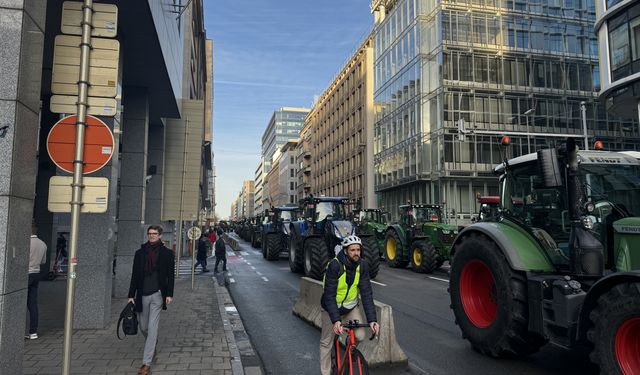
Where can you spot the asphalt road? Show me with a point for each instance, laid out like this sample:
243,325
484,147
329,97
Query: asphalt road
264,293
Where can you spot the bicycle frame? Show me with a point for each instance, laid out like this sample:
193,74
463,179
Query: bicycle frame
347,360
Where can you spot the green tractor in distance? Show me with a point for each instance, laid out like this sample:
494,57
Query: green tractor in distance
255,231
420,238
371,224
560,263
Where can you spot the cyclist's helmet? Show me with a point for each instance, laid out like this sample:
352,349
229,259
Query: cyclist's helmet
350,240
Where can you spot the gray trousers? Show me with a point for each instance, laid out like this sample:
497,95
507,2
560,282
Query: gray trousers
149,320
327,335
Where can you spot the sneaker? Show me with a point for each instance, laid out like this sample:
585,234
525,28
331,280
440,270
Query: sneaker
144,370
31,336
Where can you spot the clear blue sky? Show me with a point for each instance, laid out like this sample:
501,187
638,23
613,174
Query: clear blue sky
270,54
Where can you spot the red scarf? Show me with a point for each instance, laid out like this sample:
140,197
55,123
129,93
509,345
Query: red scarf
151,255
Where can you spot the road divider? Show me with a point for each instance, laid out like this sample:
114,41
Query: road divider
231,241
383,351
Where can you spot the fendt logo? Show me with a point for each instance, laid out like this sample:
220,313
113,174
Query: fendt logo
627,229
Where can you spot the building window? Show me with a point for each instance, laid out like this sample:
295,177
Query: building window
292,161
619,42
292,172
292,185
292,198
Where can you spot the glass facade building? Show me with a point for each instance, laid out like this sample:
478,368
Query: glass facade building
285,124
512,67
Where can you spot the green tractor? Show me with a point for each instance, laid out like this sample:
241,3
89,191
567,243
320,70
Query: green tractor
559,263
420,238
371,223
255,230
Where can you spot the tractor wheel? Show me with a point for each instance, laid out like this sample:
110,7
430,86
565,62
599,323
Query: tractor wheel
316,257
254,240
371,255
424,257
489,300
295,254
615,333
393,250
263,247
273,246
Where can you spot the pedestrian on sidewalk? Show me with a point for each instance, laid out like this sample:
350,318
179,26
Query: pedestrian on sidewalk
201,255
221,253
151,289
346,278
37,256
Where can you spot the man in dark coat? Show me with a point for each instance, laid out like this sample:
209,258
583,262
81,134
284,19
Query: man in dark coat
346,282
221,253
201,255
151,289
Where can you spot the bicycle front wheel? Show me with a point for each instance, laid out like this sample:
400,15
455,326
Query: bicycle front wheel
357,366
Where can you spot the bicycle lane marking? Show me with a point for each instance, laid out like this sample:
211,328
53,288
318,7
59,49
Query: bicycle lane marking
377,283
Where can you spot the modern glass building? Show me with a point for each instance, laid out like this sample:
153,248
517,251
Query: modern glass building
618,29
285,124
512,67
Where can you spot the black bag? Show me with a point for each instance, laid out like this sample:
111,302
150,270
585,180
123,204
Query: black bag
129,320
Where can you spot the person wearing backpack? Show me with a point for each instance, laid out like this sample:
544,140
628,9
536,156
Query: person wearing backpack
346,279
151,289
221,253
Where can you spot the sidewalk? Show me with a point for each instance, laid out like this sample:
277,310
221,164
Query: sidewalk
197,335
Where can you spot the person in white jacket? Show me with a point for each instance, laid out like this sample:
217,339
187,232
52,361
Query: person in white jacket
37,256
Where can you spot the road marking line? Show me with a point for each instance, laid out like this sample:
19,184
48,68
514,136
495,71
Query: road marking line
259,273
248,263
375,282
228,274
244,253
439,279
231,280
264,278
252,267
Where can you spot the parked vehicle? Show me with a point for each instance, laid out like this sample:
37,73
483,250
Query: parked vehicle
275,231
371,225
314,237
561,261
256,230
488,207
420,238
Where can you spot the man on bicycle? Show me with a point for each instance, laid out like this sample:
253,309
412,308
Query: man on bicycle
346,278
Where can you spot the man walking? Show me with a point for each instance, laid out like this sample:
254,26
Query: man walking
346,278
221,253
151,289
37,256
201,255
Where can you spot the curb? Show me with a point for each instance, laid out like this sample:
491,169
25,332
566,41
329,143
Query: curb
239,344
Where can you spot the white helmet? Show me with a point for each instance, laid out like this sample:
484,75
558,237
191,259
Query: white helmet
350,240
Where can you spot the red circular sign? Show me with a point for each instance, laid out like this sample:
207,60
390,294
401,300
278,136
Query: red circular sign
98,144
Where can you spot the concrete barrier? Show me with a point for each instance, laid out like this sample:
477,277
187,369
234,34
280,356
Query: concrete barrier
231,241
382,351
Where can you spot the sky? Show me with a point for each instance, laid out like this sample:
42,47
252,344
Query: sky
269,54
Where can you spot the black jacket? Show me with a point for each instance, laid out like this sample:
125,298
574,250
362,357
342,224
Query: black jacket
202,249
221,248
166,275
334,271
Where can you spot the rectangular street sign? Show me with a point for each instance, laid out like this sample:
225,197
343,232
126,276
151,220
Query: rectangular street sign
94,194
97,106
105,19
103,66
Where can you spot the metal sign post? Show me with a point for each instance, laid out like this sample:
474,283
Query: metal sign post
78,165
193,234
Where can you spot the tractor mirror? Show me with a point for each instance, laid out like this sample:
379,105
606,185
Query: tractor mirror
550,167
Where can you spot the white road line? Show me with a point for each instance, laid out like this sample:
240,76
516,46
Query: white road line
231,280
244,253
252,267
259,273
229,274
439,279
248,263
375,282
264,278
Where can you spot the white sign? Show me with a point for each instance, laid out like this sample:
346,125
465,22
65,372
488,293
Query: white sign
105,19
194,233
94,194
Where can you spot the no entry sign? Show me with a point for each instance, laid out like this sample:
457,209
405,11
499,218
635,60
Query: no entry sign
98,144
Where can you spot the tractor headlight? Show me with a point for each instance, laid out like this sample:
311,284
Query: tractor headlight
446,231
589,207
587,222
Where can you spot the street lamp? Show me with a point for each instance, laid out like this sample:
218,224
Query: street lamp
527,113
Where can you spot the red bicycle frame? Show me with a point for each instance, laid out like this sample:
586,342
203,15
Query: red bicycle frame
347,359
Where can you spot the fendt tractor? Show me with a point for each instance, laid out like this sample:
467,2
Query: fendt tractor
313,238
275,231
559,263
371,225
420,238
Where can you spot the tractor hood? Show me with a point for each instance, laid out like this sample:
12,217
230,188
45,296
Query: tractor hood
627,243
342,228
446,232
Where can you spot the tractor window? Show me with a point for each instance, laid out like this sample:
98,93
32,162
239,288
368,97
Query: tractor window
612,187
286,215
333,209
427,215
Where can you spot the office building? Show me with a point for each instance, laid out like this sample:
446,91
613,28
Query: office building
285,124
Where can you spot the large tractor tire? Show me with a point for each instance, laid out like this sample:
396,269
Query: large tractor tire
254,240
273,246
393,250
615,333
263,247
424,257
296,263
489,300
371,255
316,257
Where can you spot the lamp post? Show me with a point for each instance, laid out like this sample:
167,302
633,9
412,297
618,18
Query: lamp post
583,112
527,113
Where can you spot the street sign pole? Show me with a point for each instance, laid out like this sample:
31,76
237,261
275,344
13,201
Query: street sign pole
78,164
193,262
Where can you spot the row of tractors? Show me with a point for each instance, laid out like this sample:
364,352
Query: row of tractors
554,259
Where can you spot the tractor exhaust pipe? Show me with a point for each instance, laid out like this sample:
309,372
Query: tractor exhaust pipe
586,252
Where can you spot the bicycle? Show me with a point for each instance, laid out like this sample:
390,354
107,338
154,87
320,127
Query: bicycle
346,359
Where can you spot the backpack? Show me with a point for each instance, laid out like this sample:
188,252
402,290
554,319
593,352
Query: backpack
129,320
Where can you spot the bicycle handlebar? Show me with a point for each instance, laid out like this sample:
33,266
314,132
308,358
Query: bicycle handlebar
352,324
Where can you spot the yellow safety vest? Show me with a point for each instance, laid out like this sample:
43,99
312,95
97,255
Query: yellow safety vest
346,295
